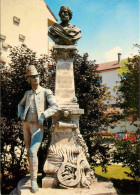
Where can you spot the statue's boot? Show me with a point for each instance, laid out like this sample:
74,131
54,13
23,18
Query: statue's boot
33,173
34,186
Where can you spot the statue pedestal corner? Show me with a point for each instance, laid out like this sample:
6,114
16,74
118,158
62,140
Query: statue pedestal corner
49,182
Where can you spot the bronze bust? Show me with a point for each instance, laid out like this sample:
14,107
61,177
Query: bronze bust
64,33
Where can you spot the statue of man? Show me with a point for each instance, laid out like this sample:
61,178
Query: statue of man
64,33
33,110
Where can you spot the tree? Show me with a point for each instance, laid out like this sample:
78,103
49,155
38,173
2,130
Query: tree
128,153
128,90
91,95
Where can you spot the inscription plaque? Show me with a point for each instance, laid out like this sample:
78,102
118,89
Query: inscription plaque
64,89
62,136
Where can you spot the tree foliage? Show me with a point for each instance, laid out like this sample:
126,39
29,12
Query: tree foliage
91,95
128,90
128,154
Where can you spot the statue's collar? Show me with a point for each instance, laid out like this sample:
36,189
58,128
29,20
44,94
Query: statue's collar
38,90
68,25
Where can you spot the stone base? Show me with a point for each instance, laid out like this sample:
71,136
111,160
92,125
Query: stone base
97,188
49,182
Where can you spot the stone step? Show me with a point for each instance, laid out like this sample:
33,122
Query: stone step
97,188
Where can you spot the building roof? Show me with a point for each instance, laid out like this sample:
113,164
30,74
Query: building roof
51,12
108,66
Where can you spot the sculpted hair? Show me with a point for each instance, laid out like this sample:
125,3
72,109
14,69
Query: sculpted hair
68,9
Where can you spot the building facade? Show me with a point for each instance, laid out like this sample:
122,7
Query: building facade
110,77
25,21
108,71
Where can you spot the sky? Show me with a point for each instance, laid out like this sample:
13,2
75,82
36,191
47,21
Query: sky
108,26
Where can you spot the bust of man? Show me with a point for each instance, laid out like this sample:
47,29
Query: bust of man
64,33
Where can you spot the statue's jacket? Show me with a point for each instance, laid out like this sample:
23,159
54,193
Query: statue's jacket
43,98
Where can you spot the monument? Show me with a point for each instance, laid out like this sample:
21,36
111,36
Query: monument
66,165
67,169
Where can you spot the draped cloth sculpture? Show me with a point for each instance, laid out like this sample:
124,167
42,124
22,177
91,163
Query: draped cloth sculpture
64,35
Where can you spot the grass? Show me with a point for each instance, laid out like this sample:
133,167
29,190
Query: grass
122,183
114,171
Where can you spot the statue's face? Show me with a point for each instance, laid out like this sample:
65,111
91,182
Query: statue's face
34,80
64,16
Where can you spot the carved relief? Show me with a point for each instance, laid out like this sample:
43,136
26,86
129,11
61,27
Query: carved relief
79,139
68,160
64,53
70,165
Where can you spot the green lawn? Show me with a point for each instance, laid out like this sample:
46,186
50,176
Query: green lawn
122,183
114,171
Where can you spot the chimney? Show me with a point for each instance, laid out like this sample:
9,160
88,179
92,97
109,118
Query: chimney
119,57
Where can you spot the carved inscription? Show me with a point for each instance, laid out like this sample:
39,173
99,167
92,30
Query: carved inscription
65,82
62,133
64,66
64,90
62,136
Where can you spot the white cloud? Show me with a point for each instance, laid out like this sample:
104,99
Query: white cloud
111,55
96,56
131,53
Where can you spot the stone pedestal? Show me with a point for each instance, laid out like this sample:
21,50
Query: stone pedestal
97,188
49,182
64,83
66,160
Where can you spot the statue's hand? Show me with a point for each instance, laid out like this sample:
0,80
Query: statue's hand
41,120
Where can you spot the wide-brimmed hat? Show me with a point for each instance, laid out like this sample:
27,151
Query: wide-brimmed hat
31,71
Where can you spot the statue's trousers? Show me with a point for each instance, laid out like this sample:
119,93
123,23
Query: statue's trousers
33,135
